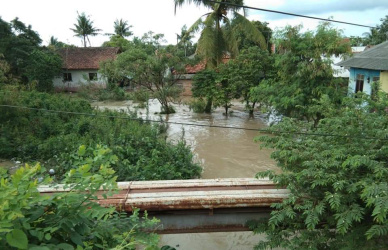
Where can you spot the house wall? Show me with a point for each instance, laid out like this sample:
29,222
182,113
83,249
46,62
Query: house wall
384,81
367,74
79,78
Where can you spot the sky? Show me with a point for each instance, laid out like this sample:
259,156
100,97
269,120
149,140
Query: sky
55,18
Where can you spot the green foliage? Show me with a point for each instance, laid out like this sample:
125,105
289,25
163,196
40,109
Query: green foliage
84,28
218,35
149,67
304,71
197,105
245,72
204,86
118,41
17,42
337,178
43,66
122,29
69,220
141,148
379,34
245,41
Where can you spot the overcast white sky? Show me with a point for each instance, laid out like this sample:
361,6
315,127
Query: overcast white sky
55,18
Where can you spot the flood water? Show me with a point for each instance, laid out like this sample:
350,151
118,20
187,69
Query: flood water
222,152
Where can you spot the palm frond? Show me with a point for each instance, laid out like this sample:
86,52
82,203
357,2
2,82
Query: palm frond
242,24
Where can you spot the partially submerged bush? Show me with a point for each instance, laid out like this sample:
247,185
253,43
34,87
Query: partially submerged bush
142,150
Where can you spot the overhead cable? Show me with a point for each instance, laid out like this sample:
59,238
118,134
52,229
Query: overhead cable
196,124
288,13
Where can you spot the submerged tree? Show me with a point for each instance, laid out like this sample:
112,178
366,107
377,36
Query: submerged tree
304,71
84,28
218,31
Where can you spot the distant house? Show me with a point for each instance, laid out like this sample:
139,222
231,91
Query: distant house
366,67
81,65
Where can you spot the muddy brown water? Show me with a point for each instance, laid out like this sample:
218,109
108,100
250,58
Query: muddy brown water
222,152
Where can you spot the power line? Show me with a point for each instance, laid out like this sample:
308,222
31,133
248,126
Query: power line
193,124
289,14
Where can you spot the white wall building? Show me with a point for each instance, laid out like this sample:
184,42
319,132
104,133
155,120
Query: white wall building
81,65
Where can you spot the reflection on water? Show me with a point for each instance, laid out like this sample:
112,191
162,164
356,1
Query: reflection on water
223,152
212,241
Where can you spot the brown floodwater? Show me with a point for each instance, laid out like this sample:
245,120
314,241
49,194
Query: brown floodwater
222,152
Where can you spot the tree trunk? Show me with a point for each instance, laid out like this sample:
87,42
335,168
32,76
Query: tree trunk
209,103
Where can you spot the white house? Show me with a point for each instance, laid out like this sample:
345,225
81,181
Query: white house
81,65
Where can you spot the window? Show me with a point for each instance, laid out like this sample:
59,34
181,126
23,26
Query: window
359,83
92,76
67,77
376,78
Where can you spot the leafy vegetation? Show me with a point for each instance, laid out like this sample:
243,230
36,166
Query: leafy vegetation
22,60
148,67
141,148
304,72
84,28
218,35
337,178
69,220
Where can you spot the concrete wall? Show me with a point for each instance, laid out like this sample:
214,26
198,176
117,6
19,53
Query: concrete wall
367,74
79,78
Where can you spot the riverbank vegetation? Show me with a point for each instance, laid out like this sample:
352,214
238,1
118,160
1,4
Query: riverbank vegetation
34,131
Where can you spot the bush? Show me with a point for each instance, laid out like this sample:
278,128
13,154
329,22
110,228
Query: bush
29,220
198,105
142,150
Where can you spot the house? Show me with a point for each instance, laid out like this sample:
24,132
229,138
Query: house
366,67
81,65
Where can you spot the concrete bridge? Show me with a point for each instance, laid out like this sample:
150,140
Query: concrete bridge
196,205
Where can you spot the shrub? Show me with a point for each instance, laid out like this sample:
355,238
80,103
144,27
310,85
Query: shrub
29,220
142,150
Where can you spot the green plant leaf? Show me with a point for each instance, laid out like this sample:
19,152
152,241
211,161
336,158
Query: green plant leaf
65,246
17,238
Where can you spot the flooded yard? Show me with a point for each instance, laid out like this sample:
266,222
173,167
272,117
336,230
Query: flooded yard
222,152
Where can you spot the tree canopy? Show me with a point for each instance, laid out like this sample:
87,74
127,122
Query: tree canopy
218,35
304,72
337,174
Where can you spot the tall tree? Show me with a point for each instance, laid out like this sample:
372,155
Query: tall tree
122,28
304,72
150,67
84,28
17,42
218,31
379,34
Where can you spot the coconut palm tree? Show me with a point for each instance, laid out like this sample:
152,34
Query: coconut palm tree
84,28
218,33
122,28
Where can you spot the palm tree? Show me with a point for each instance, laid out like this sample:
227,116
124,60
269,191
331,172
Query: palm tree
84,28
218,33
184,39
122,28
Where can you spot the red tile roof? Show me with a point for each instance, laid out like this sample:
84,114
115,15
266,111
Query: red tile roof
86,58
201,66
